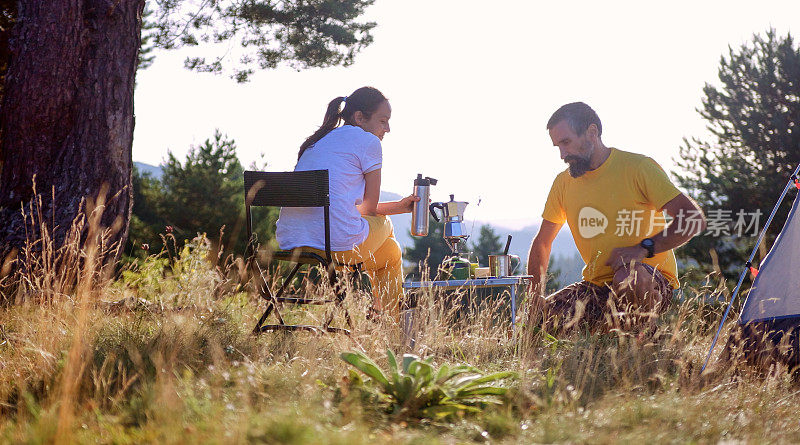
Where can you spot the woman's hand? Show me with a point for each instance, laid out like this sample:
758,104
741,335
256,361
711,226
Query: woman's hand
407,203
396,207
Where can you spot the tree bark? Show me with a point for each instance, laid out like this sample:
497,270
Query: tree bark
67,114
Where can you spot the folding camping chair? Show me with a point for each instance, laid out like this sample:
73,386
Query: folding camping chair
293,189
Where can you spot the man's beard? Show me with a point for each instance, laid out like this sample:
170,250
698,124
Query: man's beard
577,166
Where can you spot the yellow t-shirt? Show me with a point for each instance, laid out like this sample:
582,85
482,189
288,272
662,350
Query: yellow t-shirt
616,205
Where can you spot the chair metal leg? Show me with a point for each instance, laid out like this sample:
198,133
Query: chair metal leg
338,292
347,318
355,276
329,319
263,318
289,327
288,280
274,302
341,293
336,288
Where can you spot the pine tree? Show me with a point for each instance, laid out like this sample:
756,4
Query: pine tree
200,195
205,192
753,116
146,221
488,243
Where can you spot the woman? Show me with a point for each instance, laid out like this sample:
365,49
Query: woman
360,230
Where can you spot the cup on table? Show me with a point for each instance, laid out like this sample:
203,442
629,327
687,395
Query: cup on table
500,265
472,268
482,272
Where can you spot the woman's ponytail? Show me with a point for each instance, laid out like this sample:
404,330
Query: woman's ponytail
365,99
332,118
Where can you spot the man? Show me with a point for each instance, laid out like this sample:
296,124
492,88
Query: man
613,202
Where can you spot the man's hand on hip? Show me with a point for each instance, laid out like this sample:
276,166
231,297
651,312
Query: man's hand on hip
624,256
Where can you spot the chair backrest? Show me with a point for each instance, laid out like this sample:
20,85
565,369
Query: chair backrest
288,189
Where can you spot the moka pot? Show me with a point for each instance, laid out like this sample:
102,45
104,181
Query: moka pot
453,216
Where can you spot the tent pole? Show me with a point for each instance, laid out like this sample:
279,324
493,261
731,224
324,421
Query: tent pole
761,235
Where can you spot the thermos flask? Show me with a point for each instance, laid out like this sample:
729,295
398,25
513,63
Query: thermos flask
419,213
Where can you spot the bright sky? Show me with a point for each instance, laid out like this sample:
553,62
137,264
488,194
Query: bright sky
472,85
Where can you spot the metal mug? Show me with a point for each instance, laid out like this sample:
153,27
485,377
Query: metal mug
500,265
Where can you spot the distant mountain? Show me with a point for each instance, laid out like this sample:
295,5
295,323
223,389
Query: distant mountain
155,172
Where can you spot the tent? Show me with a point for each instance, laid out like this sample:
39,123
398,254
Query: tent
770,316
775,294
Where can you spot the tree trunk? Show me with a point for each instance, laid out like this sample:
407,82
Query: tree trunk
67,114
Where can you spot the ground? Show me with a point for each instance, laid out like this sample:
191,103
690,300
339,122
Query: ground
178,364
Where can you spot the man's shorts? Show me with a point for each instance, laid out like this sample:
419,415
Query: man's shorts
585,303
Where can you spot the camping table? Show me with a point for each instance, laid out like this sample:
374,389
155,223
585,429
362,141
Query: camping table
510,282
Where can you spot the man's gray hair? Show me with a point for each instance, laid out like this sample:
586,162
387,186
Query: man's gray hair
578,116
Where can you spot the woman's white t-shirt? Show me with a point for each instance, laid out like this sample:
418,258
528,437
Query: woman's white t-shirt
348,153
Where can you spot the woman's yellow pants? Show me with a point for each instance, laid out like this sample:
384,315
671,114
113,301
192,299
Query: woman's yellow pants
382,259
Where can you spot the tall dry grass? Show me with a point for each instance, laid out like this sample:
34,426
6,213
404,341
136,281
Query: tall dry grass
176,362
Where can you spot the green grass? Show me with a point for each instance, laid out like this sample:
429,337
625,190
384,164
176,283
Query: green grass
180,365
